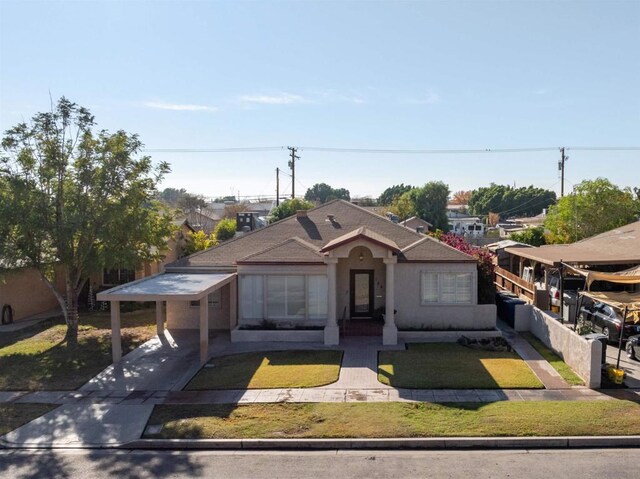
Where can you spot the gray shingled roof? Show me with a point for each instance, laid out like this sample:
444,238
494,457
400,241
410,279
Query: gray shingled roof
294,250
317,230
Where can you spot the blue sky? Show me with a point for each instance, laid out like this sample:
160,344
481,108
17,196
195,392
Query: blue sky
375,75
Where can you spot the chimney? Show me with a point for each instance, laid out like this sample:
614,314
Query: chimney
301,213
420,229
331,217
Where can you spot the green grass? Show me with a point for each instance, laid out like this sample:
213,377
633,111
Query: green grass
452,366
44,361
271,369
552,358
380,420
13,416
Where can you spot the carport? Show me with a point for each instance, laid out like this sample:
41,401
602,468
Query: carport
161,288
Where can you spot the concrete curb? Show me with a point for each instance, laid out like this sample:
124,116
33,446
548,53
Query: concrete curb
564,442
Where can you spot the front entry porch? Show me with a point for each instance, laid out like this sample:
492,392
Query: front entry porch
361,284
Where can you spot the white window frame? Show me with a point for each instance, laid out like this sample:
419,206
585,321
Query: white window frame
265,302
440,278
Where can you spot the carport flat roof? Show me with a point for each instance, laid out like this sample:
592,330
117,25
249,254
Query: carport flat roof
168,286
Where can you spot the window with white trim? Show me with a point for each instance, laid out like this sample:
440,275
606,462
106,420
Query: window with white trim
285,297
251,296
446,287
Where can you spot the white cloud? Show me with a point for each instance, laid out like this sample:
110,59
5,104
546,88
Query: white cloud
332,96
160,105
541,91
428,98
274,99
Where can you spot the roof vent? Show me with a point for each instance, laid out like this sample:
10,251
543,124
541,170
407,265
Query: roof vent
301,213
331,218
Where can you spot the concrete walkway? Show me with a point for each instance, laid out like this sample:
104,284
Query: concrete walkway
546,373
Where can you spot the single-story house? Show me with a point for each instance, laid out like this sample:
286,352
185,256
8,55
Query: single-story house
302,275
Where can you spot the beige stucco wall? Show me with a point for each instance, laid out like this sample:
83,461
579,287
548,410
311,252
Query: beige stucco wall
411,314
582,355
180,315
26,293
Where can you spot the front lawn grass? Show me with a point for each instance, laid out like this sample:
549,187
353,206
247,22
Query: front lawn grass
45,361
271,369
552,358
381,420
12,416
452,366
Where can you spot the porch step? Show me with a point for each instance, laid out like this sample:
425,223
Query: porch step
361,327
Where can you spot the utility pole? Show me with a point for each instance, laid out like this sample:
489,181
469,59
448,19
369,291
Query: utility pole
277,186
563,159
292,165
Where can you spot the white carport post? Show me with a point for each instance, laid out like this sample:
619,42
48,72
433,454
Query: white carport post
160,317
389,330
116,342
204,329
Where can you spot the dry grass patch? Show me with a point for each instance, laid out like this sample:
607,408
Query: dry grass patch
45,361
12,416
380,420
271,369
452,366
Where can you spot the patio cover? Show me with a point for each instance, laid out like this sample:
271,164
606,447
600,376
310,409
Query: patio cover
627,276
619,300
160,288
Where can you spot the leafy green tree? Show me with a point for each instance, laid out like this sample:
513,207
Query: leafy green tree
189,202
594,207
171,196
199,241
225,229
403,206
77,200
288,208
532,236
430,203
322,192
393,192
508,201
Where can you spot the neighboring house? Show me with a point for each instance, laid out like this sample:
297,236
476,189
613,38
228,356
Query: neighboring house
24,291
173,251
417,224
205,219
465,225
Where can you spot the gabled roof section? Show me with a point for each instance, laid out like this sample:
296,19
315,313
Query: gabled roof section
361,233
294,250
429,249
319,227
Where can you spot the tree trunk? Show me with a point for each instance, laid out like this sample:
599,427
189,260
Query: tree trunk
71,316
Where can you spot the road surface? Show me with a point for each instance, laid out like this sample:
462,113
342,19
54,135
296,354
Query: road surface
534,464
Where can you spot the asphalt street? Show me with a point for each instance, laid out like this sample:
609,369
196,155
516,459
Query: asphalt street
532,464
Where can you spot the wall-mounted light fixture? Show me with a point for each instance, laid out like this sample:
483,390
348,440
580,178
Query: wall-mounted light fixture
361,257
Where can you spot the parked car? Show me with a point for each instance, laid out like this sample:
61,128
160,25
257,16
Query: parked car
606,320
571,286
633,347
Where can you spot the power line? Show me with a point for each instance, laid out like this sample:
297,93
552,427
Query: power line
212,150
399,151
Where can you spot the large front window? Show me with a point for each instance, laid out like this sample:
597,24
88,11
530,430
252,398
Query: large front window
445,287
285,297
